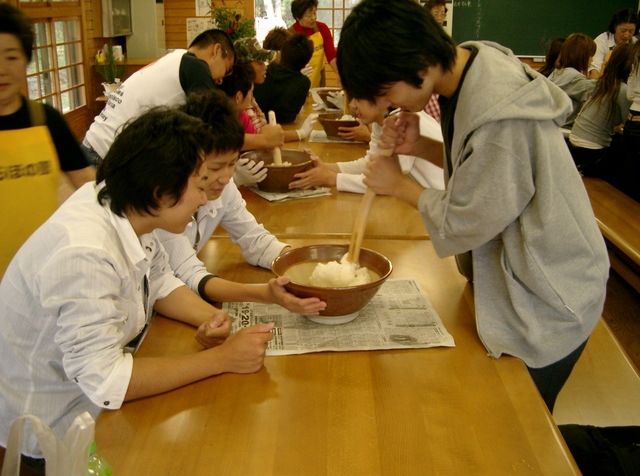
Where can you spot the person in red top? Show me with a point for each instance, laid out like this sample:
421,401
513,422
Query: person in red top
304,11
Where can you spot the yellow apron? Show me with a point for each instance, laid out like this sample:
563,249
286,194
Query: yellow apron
29,172
605,61
317,60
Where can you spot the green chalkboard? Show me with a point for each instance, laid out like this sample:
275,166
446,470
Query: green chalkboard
525,26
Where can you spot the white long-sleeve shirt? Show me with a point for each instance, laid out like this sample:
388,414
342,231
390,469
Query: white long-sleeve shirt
351,175
258,246
70,300
605,42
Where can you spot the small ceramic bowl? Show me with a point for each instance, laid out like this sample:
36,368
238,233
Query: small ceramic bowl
330,122
279,176
343,304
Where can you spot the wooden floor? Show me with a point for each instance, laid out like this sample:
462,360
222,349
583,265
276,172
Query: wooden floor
622,314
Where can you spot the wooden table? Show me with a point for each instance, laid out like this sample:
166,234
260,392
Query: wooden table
333,216
441,411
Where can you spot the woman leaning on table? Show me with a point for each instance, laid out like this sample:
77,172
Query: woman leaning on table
591,141
570,74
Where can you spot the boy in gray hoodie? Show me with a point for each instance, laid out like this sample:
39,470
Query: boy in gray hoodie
514,212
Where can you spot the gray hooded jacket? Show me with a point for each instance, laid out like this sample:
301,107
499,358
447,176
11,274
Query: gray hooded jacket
515,199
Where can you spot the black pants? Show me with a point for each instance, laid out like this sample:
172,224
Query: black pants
628,180
588,161
551,379
604,451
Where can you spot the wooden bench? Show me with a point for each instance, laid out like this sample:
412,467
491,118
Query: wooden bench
618,217
604,387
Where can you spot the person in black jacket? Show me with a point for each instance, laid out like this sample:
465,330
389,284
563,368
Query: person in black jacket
285,89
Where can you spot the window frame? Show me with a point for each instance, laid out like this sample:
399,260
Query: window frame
51,11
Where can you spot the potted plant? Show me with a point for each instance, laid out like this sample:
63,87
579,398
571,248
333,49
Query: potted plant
230,20
110,67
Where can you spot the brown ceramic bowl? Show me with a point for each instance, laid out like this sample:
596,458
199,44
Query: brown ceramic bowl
324,94
330,122
279,176
343,304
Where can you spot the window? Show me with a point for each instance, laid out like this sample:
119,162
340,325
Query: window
334,13
56,74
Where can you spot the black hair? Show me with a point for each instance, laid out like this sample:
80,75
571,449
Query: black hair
153,156
553,51
429,4
626,15
240,80
212,37
14,22
383,42
615,73
296,51
276,38
215,108
298,7
576,51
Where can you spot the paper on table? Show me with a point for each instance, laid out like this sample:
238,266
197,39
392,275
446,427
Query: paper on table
321,136
291,195
399,316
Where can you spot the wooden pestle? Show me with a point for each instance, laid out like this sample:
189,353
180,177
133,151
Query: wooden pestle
360,225
277,153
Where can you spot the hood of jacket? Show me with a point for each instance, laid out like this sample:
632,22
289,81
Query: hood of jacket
501,88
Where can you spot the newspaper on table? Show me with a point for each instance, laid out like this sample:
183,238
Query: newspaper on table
291,194
398,317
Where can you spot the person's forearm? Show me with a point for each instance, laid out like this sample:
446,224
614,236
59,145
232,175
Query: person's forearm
254,141
409,192
291,136
334,66
430,150
182,304
154,375
221,290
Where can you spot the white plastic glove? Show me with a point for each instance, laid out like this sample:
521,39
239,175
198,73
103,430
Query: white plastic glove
249,173
307,70
337,99
307,126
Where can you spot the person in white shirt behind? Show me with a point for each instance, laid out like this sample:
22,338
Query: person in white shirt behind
225,206
165,82
622,29
349,176
85,285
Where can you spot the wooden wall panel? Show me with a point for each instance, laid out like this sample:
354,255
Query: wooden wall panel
176,13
